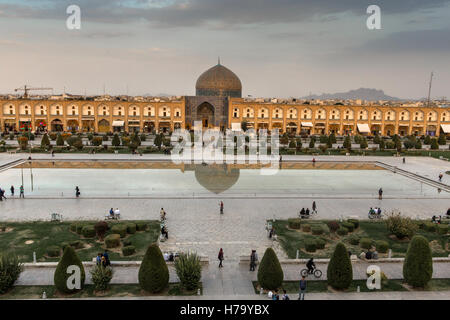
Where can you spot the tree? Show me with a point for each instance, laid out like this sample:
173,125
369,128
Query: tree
45,142
377,139
442,140
153,273
189,270
332,138
270,273
348,143
427,140
312,142
363,144
59,140
418,264
398,145
340,272
69,258
244,126
434,144
10,269
158,140
23,142
418,144
382,144
116,140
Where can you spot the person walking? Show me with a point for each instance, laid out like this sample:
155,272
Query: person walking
302,285
285,296
380,194
162,214
12,191
77,191
22,192
314,207
253,260
221,207
220,257
404,160
440,177
1,194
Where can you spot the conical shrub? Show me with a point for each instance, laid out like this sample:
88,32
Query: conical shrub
340,272
270,273
153,273
69,258
418,264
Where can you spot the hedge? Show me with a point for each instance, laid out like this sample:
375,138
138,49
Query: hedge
131,228
430,226
73,227
126,243
153,273
141,226
382,246
342,231
270,273
79,227
442,228
320,243
333,225
355,222
317,230
69,258
365,243
88,231
76,244
306,228
310,245
128,250
294,223
349,226
119,229
354,240
418,264
112,241
53,251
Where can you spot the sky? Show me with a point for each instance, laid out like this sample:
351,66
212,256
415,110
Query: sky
278,48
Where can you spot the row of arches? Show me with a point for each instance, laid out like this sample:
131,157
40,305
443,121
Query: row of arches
336,114
89,110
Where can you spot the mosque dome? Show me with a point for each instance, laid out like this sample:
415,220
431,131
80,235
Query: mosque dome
219,81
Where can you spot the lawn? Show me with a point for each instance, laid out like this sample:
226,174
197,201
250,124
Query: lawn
318,286
292,240
24,238
114,290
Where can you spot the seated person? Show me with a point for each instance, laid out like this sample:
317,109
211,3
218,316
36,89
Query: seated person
307,212
111,213
368,255
433,219
371,211
311,265
302,212
166,256
379,211
448,212
375,255
171,257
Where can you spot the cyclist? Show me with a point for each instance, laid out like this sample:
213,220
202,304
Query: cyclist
311,265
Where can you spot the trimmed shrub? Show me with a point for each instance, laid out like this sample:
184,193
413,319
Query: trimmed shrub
294,223
131,228
306,228
310,245
270,274
355,222
320,243
100,229
401,227
333,225
442,228
342,231
141,226
418,264
354,239
10,269
76,244
64,245
73,227
189,270
101,276
340,272
128,250
69,258
382,246
365,243
88,231
349,226
119,229
79,227
53,251
112,241
317,230
153,273
430,227
126,243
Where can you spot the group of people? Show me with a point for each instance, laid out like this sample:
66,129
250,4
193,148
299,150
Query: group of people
275,296
114,214
301,294
103,259
305,212
376,211
12,189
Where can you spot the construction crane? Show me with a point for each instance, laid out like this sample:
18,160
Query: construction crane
26,88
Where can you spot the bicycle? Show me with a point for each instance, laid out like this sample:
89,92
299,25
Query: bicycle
316,272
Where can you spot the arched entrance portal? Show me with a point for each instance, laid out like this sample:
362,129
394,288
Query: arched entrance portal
205,114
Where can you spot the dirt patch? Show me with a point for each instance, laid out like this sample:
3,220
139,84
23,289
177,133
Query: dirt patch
29,242
8,229
436,246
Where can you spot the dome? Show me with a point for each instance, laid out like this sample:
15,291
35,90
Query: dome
219,81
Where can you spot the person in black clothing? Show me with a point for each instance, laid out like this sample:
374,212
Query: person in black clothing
302,212
307,212
77,191
311,265
12,191
107,261
380,194
448,212
253,260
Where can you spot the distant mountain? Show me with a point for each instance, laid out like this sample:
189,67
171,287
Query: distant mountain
159,95
361,93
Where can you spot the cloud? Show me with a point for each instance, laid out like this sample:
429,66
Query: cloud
214,13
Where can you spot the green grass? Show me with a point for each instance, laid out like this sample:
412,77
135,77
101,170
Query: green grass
45,234
114,290
321,286
293,240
